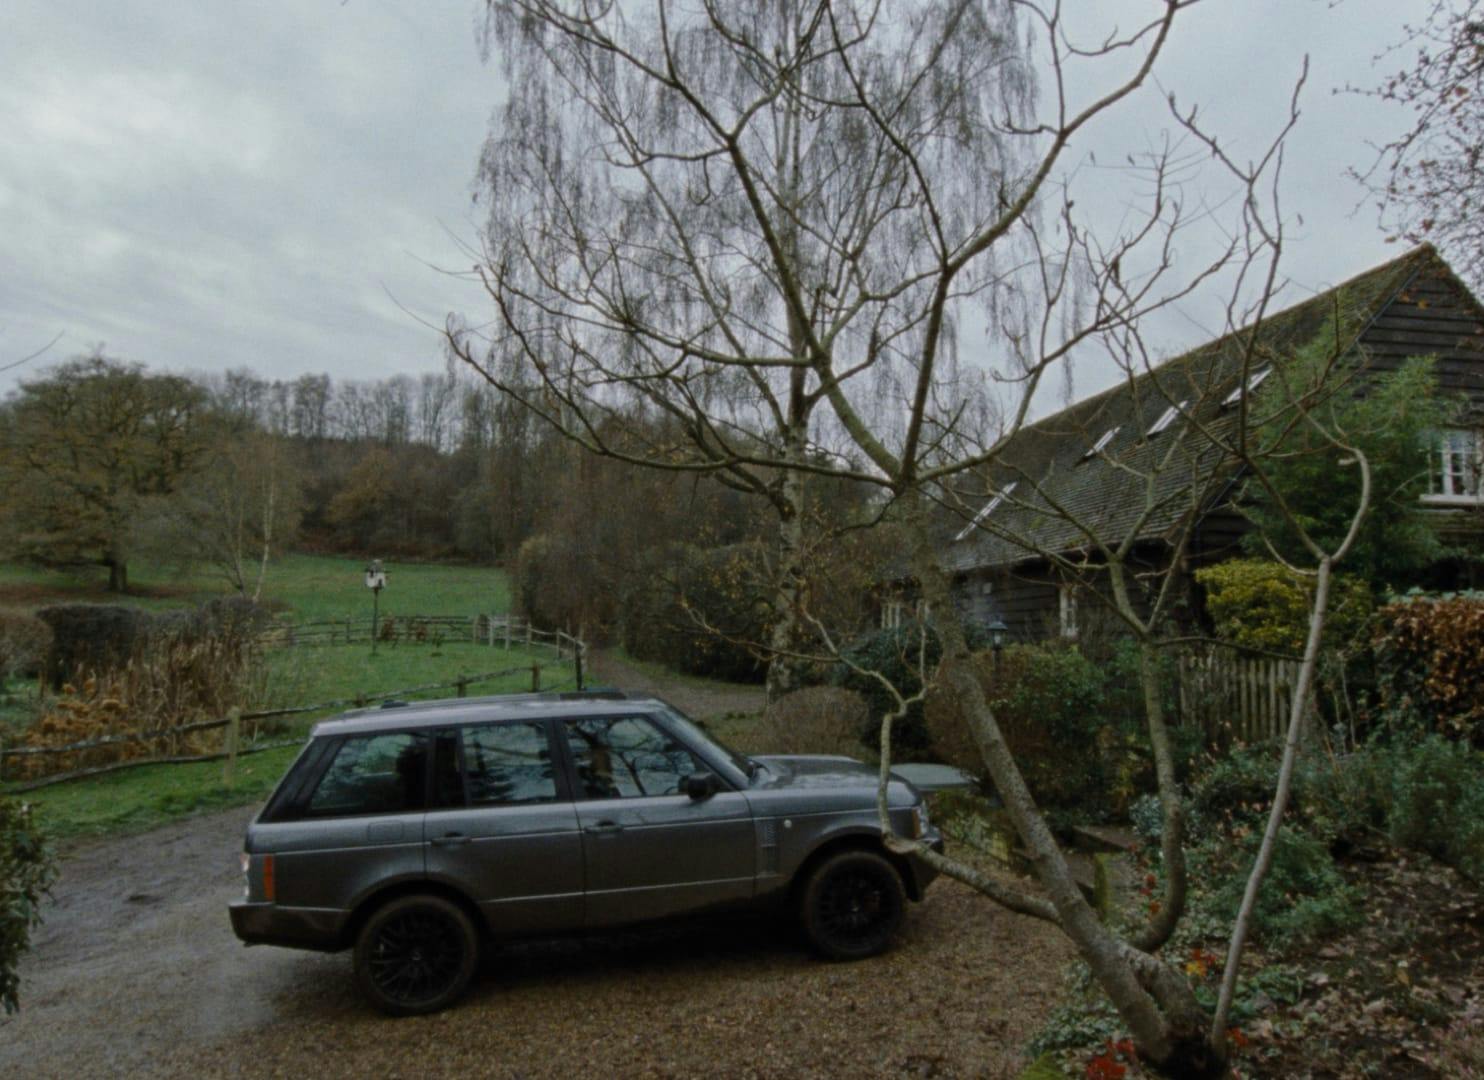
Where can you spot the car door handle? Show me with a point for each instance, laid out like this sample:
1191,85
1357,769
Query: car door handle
605,828
453,839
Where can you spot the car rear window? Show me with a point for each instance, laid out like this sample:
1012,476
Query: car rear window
374,774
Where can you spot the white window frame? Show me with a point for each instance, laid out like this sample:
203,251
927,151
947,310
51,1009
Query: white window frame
1456,469
1168,417
988,509
894,613
1103,440
891,614
1253,382
1066,612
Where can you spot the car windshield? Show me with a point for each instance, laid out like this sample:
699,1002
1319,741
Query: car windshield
697,734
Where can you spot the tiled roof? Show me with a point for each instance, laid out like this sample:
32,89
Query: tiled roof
1060,484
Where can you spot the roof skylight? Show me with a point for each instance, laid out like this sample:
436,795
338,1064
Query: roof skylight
1168,417
988,509
1253,382
1103,440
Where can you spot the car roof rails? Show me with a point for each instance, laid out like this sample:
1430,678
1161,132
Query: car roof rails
594,693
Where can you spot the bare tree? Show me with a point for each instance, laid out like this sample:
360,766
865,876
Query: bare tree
768,222
238,513
693,213
1429,181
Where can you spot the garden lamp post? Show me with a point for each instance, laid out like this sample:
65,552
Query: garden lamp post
375,581
997,631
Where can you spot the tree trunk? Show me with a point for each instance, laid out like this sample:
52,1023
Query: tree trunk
1172,832
1168,1025
784,637
1297,708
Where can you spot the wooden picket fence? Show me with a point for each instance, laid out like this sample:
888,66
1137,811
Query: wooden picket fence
1235,696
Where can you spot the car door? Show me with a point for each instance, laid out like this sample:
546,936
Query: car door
502,827
649,849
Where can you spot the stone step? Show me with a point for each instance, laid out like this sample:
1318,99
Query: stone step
1113,839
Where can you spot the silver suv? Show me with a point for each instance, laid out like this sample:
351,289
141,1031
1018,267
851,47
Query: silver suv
413,833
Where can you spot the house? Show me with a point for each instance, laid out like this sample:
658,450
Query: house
1142,462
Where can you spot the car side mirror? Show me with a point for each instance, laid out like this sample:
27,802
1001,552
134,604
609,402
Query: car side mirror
701,785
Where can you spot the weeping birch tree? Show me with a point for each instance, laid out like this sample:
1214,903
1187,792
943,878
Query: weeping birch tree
696,210
776,225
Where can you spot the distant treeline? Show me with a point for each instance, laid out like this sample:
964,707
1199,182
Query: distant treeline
231,469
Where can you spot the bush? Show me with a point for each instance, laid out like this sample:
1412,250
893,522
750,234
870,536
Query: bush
1050,702
1260,604
91,637
1303,898
815,720
1427,660
24,642
898,653
181,667
1435,802
682,586
561,584
26,872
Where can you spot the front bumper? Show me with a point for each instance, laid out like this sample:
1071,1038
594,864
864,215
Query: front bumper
291,927
923,872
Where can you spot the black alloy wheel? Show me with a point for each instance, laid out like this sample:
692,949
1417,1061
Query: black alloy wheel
852,905
416,955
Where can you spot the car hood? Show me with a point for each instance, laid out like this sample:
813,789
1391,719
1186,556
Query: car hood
816,773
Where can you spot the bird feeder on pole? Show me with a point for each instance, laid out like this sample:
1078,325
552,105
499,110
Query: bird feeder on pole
375,581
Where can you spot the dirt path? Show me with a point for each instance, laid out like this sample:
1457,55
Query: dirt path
695,697
136,971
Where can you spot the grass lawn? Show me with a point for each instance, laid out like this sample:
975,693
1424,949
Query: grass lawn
309,674
304,586
326,587
134,800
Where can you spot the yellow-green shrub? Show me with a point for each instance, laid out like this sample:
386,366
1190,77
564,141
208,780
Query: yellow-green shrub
1260,604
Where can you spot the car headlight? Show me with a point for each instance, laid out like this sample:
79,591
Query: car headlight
919,821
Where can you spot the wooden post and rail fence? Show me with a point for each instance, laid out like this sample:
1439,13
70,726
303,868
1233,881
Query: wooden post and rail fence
493,631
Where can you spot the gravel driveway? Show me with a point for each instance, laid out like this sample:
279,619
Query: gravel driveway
136,971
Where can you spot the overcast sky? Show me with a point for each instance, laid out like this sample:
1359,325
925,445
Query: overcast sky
199,186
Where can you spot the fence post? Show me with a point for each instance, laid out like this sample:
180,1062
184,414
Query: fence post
507,631
577,662
463,686
528,633
535,678
231,739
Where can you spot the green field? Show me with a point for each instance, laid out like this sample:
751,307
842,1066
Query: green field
141,798
302,586
316,673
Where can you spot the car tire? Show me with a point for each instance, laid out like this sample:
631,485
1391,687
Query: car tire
852,904
416,954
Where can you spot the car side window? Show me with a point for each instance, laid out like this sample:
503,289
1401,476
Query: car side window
627,757
508,763
374,774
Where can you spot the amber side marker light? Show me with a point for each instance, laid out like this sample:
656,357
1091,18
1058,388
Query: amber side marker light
269,890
